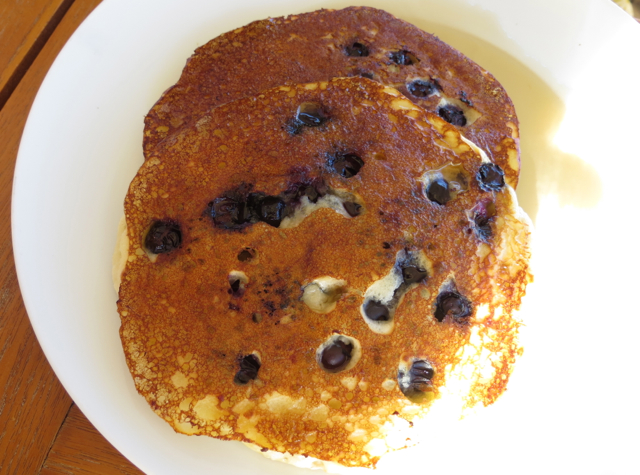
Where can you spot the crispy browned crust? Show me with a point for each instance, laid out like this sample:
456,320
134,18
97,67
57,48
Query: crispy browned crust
311,47
182,330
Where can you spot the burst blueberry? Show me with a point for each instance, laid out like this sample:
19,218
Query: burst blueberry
249,367
454,305
357,49
453,114
163,236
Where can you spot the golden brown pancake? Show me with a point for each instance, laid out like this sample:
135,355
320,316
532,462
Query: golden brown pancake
356,41
316,267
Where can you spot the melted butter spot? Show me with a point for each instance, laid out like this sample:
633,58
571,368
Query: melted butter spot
243,406
179,380
319,413
483,251
403,104
281,404
391,91
185,404
248,428
358,435
349,383
388,384
207,409
185,428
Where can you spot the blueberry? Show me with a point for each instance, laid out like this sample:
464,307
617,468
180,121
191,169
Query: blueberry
235,285
452,114
412,274
420,377
490,177
403,57
272,210
293,126
453,304
464,98
482,226
310,114
247,254
249,366
353,209
438,191
357,49
163,236
421,88
229,213
254,201
256,317
421,372
376,311
483,215
311,190
336,356
347,165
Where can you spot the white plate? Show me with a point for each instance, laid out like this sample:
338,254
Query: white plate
572,68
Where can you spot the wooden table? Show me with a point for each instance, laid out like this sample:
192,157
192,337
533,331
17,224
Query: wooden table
41,430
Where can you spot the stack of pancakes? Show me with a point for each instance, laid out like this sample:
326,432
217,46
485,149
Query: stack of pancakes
323,244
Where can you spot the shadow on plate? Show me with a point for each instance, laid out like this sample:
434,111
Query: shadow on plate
545,168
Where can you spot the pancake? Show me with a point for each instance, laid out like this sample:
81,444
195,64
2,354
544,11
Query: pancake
315,268
356,41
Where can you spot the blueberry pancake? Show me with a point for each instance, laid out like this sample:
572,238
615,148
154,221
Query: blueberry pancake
315,268
356,41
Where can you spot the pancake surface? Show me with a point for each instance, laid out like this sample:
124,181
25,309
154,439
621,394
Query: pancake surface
311,294
356,41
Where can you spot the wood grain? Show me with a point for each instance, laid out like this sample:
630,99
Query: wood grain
79,449
26,26
33,404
